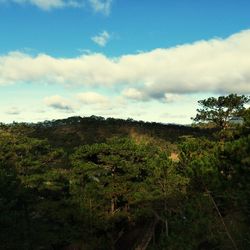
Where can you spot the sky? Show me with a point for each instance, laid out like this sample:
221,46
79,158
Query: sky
147,60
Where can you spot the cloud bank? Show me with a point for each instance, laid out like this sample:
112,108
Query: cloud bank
213,66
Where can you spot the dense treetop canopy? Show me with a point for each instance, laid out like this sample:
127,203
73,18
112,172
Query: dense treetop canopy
89,183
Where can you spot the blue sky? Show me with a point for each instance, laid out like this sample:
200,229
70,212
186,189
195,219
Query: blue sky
149,60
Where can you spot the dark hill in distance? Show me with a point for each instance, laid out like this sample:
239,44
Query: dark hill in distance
75,131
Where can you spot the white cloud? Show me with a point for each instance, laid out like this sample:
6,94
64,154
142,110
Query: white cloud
48,4
102,6
101,39
213,66
58,102
169,98
134,94
92,98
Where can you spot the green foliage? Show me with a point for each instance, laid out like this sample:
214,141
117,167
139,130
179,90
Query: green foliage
64,184
114,170
220,110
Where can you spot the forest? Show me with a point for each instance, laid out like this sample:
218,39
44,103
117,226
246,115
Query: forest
95,183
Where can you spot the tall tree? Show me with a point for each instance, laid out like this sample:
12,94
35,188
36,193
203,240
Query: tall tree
219,111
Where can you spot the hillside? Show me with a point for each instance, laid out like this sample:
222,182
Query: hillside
89,183
75,131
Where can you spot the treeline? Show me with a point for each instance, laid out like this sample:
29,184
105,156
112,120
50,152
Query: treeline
62,188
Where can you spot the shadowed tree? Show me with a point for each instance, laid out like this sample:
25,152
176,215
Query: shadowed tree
219,111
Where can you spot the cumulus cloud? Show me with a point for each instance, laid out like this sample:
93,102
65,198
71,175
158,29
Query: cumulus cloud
213,66
58,102
92,98
102,6
169,98
101,39
48,4
138,95
134,94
